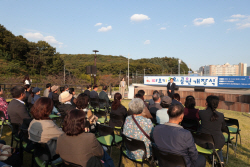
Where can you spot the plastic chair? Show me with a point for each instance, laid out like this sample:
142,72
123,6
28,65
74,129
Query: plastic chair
118,120
69,164
94,103
106,137
190,124
131,144
167,158
228,140
102,116
233,122
103,102
42,149
201,140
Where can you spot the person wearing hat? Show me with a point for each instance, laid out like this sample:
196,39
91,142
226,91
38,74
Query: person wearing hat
66,103
35,94
162,114
54,96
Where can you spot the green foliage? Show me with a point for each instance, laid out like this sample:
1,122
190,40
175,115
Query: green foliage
23,56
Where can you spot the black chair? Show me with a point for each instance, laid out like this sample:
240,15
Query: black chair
168,159
132,145
228,140
102,116
69,164
104,103
203,141
42,150
118,120
94,103
230,122
106,137
190,124
15,128
25,144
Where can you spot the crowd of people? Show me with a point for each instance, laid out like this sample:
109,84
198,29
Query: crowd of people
158,120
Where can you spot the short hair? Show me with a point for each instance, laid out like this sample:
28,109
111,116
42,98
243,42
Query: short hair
155,91
104,88
156,96
89,86
136,106
190,102
62,89
164,105
138,95
17,91
95,86
142,92
176,96
66,87
172,78
175,110
42,108
74,122
82,101
71,90
48,85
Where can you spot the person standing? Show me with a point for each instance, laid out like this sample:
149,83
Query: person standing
171,87
122,87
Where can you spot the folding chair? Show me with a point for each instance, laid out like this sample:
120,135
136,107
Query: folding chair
168,159
228,140
15,128
130,144
118,120
25,144
103,102
94,103
201,140
231,123
190,124
42,150
106,137
102,116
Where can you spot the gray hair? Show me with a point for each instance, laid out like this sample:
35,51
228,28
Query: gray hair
156,96
136,106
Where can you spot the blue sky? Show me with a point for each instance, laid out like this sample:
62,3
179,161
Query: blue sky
200,32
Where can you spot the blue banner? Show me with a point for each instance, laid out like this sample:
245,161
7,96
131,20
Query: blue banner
234,81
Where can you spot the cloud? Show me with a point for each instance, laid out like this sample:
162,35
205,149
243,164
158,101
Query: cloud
201,21
139,17
38,36
105,29
238,16
185,26
98,24
147,42
243,21
232,20
163,28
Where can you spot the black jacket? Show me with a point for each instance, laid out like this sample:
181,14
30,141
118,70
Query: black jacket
87,92
103,95
122,112
172,87
64,108
214,128
94,94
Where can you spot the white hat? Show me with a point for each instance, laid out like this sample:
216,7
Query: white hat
65,96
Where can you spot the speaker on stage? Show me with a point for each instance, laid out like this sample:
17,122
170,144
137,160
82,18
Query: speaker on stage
199,89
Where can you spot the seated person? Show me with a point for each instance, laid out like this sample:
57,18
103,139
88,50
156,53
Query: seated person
66,87
131,129
142,93
54,96
42,129
162,114
171,137
3,104
73,100
151,101
35,94
87,91
75,145
103,95
212,122
66,104
47,90
145,112
93,93
117,109
176,99
28,91
62,89
17,110
153,108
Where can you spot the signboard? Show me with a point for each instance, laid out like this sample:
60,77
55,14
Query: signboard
206,81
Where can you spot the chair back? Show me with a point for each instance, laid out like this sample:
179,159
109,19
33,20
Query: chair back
203,139
134,144
69,164
100,113
167,158
2,116
42,150
117,119
94,102
231,122
190,124
103,102
105,130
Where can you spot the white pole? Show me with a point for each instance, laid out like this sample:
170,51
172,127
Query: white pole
128,69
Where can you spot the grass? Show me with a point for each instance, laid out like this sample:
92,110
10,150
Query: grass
242,158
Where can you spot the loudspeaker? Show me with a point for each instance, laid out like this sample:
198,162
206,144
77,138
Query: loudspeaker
93,69
199,89
88,69
176,88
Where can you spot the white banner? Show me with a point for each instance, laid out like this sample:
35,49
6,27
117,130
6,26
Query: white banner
182,80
